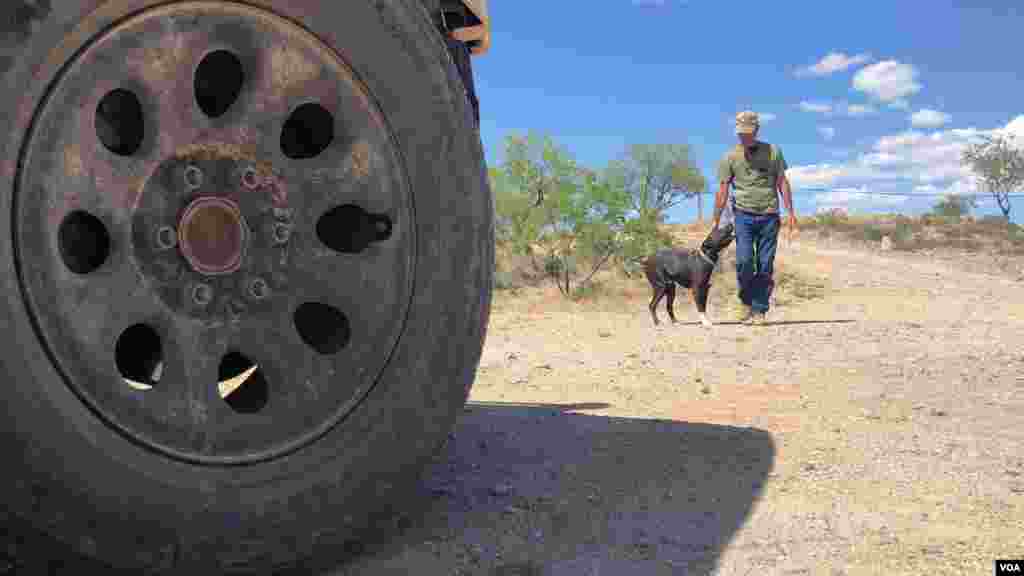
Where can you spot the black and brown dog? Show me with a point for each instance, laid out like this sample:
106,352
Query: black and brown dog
689,268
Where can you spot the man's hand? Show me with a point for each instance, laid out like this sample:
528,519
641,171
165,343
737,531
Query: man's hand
792,227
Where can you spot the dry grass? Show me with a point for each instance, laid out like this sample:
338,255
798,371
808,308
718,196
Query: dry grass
927,233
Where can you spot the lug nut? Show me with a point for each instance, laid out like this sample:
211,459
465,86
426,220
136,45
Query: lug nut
202,294
282,232
166,238
258,289
193,177
250,178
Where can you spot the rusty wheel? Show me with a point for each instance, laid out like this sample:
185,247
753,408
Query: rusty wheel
250,251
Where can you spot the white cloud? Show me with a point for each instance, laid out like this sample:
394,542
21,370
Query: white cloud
827,132
841,108
1015,129
814,175
888,81
833,62
915,161
857,110
816,107
927,118
854,198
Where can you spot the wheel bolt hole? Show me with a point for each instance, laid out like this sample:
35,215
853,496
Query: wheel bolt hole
139,356
83,241
218,82
119,122
323,328
350,229
242,384
308,131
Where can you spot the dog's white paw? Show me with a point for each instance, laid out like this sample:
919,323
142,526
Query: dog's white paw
705,322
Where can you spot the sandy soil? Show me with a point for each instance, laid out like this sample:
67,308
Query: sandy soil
876,430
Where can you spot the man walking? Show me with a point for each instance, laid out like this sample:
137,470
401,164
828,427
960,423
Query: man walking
757,172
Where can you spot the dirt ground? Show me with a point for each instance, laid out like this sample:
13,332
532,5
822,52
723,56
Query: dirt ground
876,429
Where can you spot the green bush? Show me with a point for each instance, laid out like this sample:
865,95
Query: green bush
954,208
872,233
504,280
588,290
832,219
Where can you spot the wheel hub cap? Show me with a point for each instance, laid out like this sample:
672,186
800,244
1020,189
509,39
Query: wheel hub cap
212,236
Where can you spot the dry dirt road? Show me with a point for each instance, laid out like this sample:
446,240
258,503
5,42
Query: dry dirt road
877,430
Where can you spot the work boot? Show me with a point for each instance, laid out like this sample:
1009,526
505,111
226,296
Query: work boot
745,315
758,318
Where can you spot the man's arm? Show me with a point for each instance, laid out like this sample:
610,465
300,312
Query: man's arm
787,199
787,193
720,198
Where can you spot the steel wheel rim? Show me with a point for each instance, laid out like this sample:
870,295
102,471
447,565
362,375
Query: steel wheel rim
285,266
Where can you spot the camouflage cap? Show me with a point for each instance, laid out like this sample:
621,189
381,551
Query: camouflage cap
747,122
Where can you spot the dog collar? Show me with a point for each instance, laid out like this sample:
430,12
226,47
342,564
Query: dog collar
705,257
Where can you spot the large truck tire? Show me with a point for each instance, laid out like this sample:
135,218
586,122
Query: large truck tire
248,252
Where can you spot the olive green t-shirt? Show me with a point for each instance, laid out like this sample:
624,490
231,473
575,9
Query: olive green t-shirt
754,177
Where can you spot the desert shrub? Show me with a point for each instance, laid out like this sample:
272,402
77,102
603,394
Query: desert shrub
871,233
588,290
903,231
832,219
953,208
506,280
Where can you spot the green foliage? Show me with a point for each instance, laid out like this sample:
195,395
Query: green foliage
657,177
998,164
832,219
570,213
872,233
573,221
954,207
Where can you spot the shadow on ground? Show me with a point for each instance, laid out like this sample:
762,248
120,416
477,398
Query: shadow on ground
767,323
560,493
538,490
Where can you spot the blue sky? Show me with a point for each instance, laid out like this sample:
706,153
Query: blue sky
861,97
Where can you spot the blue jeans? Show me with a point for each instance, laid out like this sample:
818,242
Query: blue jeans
756,238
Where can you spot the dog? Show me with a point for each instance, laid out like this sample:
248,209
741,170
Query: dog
688,268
